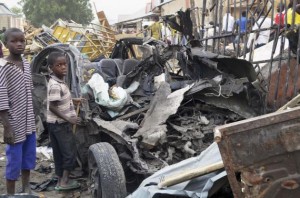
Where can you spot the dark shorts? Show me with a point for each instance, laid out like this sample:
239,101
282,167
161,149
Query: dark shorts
63,146
20,156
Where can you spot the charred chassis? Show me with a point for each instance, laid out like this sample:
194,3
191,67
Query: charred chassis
164,122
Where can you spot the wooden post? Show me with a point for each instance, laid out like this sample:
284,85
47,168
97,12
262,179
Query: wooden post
190,174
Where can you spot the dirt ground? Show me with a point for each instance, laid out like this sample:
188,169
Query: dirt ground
38,177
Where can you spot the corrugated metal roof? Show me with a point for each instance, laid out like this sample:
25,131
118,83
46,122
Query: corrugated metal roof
4,10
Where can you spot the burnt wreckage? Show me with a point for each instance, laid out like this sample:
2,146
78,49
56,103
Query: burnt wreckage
168,111
148,106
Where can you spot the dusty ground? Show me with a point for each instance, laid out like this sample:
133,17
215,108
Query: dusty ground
39,177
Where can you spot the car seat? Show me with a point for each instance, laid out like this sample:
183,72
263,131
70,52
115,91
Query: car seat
108,70
129,65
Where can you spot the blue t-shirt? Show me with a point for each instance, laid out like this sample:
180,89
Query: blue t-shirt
242,23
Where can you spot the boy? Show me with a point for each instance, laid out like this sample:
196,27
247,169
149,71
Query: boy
60,116
155,28
16,112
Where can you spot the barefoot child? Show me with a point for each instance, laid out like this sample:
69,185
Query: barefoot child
60,116
16,112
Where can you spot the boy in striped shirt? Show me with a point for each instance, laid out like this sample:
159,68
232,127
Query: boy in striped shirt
60,116
16,112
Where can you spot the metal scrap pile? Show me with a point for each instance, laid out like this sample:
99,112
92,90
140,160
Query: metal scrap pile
93,40
171,115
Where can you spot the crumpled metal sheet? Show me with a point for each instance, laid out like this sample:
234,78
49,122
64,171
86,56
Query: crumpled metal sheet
198,187
117,126
233,103
116,130
162,106
238,67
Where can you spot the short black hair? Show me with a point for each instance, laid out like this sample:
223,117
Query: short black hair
244,13
281,7
53,56
8,32
156,18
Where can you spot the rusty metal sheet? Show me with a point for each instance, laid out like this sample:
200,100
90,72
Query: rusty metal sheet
261,155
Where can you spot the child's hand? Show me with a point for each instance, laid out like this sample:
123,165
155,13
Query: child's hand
77,101
9,135
73,120
79,120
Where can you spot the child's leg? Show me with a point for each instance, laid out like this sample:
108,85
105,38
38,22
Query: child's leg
28,161
67,147
54,131
13,166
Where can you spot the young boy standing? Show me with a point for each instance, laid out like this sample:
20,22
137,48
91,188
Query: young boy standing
16,112
60,116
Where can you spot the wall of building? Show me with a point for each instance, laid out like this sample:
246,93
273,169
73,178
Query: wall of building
174,6
11,21
5,21
209,16
17,22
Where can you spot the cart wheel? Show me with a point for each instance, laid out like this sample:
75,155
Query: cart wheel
106,173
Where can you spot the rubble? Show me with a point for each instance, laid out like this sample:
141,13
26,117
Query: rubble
197,187
95,41
153,128
160,122
156,106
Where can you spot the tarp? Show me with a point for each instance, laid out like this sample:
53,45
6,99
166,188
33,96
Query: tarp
198,187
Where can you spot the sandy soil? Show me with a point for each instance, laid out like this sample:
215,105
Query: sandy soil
39,177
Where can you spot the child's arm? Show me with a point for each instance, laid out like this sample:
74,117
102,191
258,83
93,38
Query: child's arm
53,108
8,133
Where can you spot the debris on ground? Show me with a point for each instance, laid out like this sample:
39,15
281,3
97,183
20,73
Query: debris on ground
46,152
46,185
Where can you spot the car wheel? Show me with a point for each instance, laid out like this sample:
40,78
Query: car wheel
106,175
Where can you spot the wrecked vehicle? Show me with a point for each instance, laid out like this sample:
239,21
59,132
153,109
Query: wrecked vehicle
143,115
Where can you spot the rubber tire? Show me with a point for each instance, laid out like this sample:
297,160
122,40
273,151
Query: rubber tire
110,175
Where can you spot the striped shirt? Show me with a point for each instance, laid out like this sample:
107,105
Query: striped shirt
15,97
59,92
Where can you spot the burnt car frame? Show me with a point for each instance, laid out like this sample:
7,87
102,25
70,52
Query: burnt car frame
112,149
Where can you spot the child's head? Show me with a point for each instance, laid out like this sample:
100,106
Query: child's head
14,41
58,63
244,13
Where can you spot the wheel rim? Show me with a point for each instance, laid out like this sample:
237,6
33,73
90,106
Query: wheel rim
94,177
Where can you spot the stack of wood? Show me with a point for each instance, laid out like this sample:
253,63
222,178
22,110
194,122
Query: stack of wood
32,47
